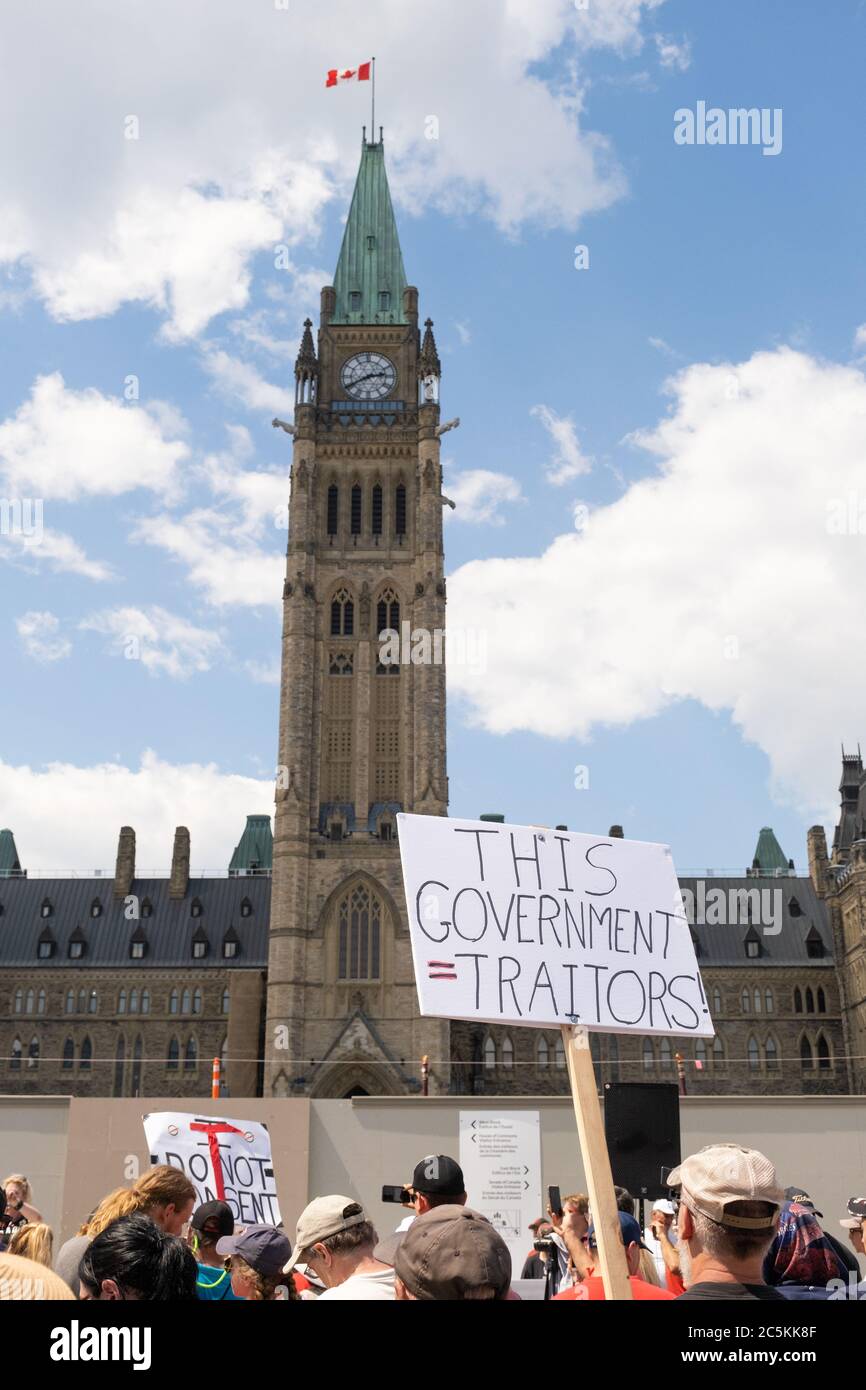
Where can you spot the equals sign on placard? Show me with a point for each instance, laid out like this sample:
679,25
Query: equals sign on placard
441,970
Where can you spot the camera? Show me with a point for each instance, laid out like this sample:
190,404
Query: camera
544,1246
401,1195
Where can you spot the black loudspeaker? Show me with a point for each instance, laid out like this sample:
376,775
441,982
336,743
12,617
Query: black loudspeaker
642,1129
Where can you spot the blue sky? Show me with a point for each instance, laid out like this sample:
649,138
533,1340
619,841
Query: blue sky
154,259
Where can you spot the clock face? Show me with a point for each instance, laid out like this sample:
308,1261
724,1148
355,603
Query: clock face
368,376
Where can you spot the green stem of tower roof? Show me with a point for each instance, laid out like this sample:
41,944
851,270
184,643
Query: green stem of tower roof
371,261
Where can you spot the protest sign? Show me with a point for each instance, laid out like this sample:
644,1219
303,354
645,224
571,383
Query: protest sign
225,1160
521,925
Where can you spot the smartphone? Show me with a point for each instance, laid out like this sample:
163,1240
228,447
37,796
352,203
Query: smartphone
554,1200
401,1195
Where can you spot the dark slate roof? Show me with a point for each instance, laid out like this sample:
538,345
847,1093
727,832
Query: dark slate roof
168,931
725,944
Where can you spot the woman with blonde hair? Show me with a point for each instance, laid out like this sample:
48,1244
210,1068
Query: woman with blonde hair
35,1241
18,1194
162,1193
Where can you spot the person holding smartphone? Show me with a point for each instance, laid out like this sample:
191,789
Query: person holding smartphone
569,1217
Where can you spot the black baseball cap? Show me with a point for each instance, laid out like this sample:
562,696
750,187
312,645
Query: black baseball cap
213,1219
802,1198
265,1249
437,1175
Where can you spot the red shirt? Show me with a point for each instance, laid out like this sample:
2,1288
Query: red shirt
674,1283
592,1290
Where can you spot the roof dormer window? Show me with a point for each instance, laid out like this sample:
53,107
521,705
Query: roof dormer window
46,909
246,908
195,908
96,908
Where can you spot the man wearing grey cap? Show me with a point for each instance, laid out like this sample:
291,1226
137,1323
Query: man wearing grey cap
729,1204
335,1240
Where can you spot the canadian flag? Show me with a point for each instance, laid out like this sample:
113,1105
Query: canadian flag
337,75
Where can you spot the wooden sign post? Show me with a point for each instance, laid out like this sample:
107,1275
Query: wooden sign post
596,1163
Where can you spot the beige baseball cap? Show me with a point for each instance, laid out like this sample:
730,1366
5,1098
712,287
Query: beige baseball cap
723,1173
323,1217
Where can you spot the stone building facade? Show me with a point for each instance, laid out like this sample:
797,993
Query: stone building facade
295,969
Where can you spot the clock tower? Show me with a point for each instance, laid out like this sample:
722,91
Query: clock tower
362,736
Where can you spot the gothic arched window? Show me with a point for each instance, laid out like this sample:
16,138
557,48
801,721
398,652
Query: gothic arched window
665,1054
769,1002
185,1002
376,509
31,999
387,612
33,1052
15,1055
559,1055
133,1001
145,1001
745,1001
507,1053
172,1002
771,1055
196,1001
173,1055
717,1002
359,918
718,1053
190,1056
40,1002
648,1055
355,512
810,1001
754,1055
798,1000
489,1053
333,509
824,1059
19,1001
822,1002
342,614
806,1059
542,1052
86,1055
68,1055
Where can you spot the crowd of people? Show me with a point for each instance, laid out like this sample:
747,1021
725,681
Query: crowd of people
727,1231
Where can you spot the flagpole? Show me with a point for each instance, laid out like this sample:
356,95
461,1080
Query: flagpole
373,116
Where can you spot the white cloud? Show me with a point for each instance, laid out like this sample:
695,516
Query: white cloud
66,818
479,494
40,636
661,346
673,54
58,551
860,336
65,444
231,156
161,641
569,460
464,333
264,672
226,547
720,578
240,381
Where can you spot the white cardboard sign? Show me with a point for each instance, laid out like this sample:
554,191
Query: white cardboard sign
522,925
225,1160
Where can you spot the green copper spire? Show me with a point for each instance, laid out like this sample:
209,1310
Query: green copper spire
769,855
10,864
370,278
255,849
